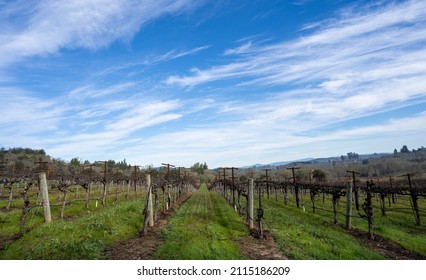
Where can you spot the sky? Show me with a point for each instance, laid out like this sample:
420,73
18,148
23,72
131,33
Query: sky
230,83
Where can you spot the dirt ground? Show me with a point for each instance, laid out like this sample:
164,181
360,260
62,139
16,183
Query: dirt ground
389,250
9,240
261,249
144,247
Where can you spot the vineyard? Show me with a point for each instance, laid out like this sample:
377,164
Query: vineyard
82,216
36,205
393,208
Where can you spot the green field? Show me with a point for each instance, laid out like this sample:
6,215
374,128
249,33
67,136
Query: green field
75,208
204,228
397,225
303,234
80,238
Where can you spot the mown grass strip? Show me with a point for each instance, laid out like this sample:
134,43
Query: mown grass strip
304,235
204,228
81,238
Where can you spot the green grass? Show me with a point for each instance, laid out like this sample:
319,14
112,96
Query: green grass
303,235
306,235
10,220
397,226
204,228
81,238
9,223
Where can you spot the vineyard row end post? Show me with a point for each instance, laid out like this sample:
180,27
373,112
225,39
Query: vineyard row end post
251,203
45,194
150,210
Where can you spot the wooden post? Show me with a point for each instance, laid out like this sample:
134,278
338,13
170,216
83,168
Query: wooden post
9,201
382,203
163,189
312,193
24,207
128,189
355,188
335,199
116,190
233,189
251,203
155,205
104,193
368,209
45,194
168,204
267,182
349,206
87,195
296,187
260,214
64,203
150,211
414,197
285,195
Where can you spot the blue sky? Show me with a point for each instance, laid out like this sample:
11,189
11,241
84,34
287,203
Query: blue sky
226,82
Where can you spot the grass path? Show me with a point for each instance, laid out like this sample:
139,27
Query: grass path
205,227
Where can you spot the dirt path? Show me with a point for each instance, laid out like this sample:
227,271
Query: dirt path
261,249
144,247
389,250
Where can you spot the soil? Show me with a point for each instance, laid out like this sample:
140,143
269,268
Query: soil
8,240
255,248
143,247
386,248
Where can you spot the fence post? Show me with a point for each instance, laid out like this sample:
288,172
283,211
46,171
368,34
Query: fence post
349,206
45,194
150,212
250,203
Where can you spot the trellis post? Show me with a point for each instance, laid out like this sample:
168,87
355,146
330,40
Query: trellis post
250,203
349,206
45,194
150,212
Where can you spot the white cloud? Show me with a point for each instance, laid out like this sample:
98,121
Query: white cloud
173,54
21,110
366,42
89,91
240,50
240,144
49,26
357,65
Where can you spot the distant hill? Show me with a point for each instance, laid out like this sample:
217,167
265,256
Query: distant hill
306,161
376,165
